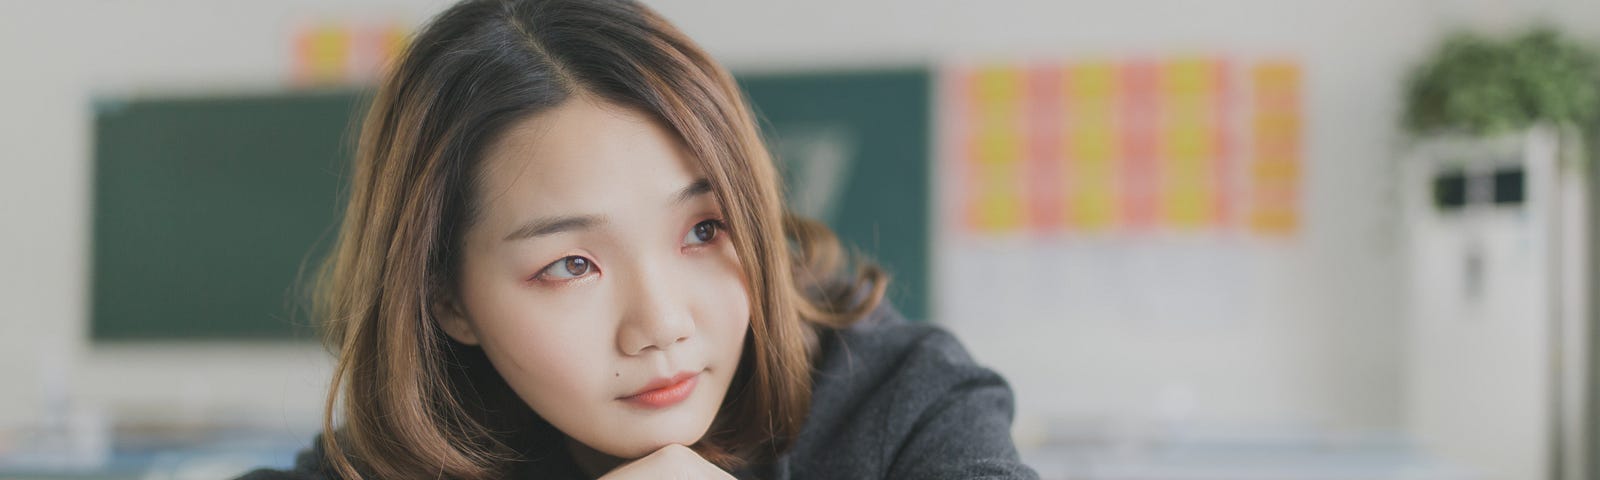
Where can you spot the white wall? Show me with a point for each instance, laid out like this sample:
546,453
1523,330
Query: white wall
1319,347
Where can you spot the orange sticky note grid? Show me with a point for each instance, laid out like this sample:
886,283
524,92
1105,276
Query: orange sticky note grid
1139,105
995,149
1192,144
336,53
322,53
1128,146
1274,173
1091,150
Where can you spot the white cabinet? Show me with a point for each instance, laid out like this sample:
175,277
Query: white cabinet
1496,250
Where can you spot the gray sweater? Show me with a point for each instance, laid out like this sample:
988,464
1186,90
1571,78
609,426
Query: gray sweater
891,399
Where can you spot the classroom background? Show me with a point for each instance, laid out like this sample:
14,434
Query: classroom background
1229,239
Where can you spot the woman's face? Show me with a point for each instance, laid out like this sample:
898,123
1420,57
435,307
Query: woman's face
600,281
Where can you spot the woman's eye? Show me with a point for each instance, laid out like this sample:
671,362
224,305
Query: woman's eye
703,232
568,268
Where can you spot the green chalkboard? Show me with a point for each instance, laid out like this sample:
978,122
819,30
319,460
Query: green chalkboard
854,147
206,209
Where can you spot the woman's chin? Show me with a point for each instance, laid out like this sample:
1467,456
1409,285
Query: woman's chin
639,444
645,437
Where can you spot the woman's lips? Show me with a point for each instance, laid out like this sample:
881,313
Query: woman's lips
664,392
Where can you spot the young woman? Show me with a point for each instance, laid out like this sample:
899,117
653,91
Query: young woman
565,255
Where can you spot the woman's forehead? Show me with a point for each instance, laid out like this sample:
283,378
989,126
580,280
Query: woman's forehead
584,157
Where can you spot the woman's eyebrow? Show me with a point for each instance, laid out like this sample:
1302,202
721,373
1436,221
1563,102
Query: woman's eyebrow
540,227
552,225
700,186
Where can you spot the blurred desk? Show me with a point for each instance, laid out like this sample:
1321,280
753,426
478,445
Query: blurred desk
176,454
1236,456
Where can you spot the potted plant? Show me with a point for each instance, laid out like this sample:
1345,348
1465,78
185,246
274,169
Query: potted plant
1475,85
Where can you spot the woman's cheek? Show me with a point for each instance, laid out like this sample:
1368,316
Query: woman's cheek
731,289
556,357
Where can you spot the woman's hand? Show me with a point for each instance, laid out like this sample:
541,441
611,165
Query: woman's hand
672,461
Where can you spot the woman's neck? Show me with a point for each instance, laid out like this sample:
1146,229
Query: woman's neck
591,462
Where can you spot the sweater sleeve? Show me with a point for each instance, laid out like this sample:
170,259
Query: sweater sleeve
958,417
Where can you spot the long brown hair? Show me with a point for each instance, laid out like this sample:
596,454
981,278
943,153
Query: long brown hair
415,403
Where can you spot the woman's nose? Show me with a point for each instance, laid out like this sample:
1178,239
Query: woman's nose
656,316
